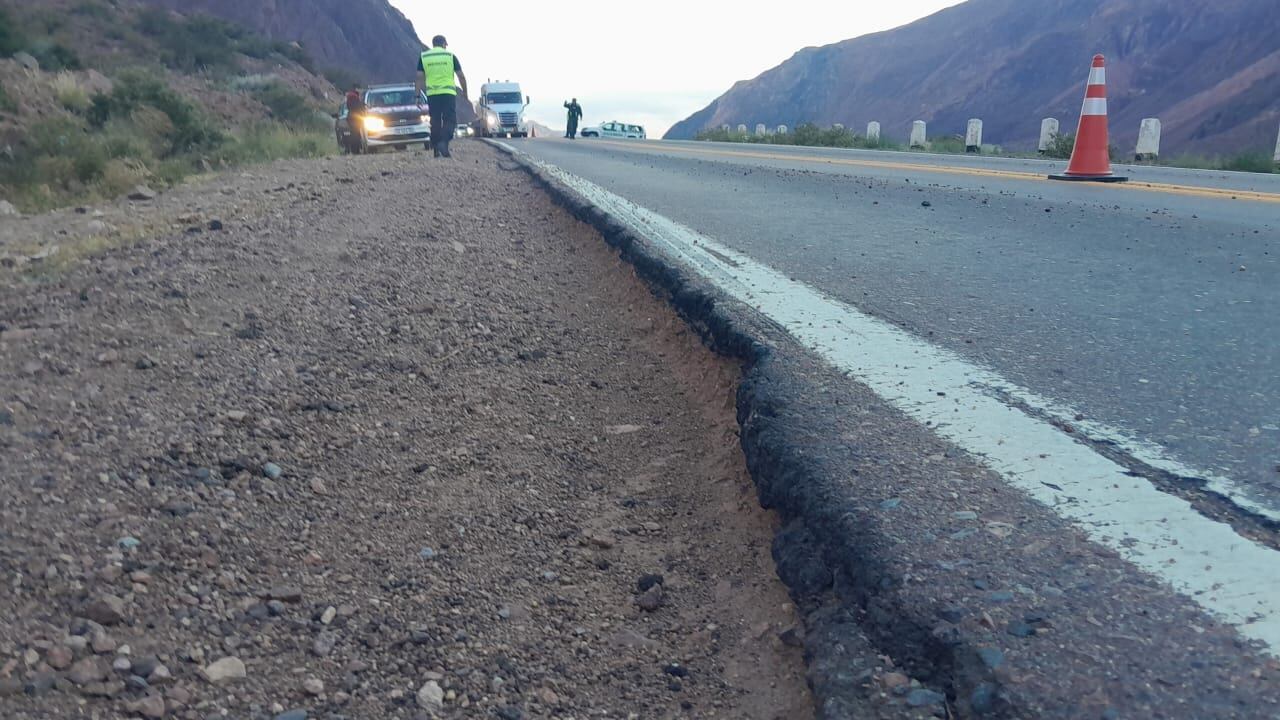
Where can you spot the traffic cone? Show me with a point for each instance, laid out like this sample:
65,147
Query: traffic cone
1091,158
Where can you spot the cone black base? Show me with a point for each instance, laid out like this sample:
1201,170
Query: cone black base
1091,178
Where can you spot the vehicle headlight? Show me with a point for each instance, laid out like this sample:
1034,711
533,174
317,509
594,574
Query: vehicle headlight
424,119
375,124
492,120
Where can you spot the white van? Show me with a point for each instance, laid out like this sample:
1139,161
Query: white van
615,129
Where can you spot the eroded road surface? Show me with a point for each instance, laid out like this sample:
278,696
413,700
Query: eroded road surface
1151,311
937,417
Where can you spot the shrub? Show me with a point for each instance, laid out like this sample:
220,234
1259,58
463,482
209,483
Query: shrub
342,78
67,89
7,103
1061,145
253,83
133,90
206,43
1256,162
264,142
12,38
94,9
120,175
287,106
947,144
54,56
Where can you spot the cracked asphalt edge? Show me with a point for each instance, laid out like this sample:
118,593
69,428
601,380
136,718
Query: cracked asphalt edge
817,550
851,572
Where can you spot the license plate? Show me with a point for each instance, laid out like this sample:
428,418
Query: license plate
410,130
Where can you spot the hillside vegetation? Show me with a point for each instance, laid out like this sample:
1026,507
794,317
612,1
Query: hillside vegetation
99,97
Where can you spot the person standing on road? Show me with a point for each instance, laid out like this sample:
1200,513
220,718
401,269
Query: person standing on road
436,68
575,114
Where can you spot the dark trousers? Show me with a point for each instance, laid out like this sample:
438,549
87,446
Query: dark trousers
572,131
444,120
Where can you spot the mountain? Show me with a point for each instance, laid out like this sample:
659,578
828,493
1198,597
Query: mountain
365,40
1209,71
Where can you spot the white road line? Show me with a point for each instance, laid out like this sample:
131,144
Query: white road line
1233,578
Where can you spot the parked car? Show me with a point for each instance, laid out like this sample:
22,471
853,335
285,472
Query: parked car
394,116
614,129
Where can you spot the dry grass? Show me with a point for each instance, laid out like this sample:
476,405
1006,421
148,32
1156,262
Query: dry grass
70,93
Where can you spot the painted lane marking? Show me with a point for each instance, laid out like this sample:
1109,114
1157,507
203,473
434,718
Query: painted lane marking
1233,578
1141,186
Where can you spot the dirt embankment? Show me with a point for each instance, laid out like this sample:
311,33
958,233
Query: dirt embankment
400,439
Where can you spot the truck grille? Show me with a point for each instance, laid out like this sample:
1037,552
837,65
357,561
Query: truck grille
508,118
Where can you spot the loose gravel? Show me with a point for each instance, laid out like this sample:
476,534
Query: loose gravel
372,437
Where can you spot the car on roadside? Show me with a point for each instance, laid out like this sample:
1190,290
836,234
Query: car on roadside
614,129
394,116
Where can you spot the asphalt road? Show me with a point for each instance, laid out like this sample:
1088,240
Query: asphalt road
1152,308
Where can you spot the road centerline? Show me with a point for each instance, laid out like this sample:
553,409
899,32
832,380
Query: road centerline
1139,186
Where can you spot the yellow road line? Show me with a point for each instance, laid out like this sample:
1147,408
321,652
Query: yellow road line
1191,190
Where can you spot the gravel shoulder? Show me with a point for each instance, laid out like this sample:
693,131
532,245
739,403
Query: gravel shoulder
399,439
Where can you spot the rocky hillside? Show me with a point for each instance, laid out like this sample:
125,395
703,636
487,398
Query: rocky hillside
1209,71
367,39
99,96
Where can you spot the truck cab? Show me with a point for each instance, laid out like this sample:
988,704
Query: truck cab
500,112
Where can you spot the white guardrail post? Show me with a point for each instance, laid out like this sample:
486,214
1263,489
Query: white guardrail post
1048,128
782,129
873,131
742,129
973,136
1148,140
761,130
919,135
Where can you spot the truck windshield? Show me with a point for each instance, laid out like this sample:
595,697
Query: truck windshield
505,98
390,98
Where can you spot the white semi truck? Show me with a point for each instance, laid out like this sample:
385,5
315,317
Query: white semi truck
500,112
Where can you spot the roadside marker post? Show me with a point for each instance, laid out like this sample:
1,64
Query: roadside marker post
1277,155
973,136
1148,140
782,129
1048,128
1091,157
742,129
919,135
761,130
873,133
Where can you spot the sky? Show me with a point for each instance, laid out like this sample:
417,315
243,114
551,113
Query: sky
653,65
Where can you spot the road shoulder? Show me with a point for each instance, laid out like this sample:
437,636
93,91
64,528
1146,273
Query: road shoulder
400,439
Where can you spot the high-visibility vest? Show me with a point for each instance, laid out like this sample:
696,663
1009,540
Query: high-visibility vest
437,65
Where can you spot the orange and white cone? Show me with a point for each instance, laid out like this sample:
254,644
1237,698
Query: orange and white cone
1091,158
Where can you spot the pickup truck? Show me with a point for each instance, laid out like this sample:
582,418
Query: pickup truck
394,116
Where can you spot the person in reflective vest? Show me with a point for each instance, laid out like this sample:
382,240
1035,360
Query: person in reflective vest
436,70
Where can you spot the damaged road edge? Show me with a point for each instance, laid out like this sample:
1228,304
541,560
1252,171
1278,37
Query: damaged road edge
830,562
